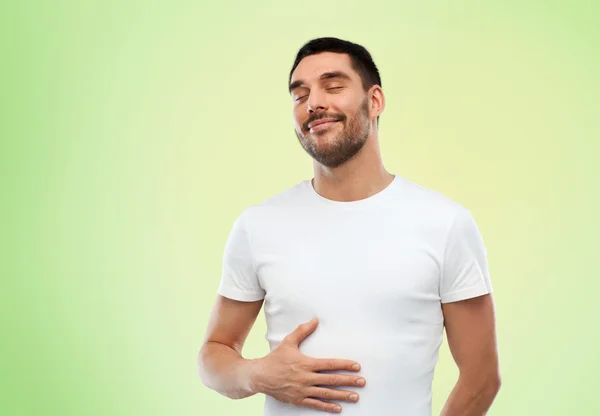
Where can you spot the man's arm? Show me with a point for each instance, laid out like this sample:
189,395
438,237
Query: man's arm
471,333
284,374
220,362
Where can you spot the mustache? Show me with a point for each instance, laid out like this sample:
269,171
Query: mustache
337,117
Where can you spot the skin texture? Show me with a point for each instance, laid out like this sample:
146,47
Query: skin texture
347,167
471,334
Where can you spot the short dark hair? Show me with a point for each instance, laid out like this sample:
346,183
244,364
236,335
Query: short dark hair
360,58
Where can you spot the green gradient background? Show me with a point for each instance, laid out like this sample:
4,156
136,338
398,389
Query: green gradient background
132,137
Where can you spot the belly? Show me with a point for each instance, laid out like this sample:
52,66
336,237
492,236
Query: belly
398,368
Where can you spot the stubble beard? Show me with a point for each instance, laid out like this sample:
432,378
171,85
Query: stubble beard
336,150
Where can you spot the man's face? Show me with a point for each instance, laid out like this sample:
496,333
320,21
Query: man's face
325,87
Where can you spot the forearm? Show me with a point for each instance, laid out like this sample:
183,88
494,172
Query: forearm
224,370
471,396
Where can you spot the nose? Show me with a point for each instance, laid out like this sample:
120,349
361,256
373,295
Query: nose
316,102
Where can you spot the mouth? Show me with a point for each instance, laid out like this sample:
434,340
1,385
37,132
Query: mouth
317,126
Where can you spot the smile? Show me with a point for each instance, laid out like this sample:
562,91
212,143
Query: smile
322,126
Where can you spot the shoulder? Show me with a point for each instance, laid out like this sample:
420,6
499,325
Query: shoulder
282,204
429,204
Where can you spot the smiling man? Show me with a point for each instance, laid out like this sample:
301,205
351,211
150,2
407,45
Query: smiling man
382,264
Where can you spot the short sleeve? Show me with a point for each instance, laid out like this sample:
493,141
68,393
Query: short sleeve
465,271
239,280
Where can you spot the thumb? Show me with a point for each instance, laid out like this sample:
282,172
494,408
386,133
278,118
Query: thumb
303,331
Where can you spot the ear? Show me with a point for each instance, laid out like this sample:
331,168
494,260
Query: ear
376,101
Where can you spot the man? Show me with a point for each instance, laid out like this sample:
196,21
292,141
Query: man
380,263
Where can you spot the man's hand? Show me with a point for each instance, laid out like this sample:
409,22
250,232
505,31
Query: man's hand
291,377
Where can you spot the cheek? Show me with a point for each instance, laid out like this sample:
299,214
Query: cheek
300,117
344,101
342,105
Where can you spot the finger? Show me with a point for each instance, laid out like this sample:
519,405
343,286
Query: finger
320,405
329,364
302,331
332,394
337,380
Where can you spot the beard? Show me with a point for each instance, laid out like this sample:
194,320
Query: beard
333,149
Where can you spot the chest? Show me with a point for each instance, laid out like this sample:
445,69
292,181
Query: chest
358,270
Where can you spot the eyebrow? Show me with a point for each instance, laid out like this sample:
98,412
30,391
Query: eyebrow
324,76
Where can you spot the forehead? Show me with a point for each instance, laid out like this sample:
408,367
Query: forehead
310,68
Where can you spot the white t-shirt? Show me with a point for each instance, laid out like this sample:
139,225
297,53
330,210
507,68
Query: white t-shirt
374,271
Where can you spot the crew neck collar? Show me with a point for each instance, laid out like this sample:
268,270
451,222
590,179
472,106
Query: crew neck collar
360,203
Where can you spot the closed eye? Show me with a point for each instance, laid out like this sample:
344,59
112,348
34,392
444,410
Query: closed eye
328,89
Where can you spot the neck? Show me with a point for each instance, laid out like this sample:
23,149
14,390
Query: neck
359,178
